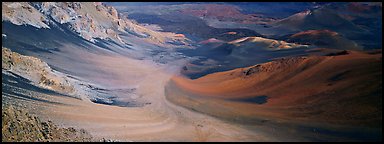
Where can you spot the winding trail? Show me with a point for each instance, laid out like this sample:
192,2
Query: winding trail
159,121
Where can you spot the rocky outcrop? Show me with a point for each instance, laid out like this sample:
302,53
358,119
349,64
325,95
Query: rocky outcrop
87,19
23,14
91,21
18,125
113,12
35,70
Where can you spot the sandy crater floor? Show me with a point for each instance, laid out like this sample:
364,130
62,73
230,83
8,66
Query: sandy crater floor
158,121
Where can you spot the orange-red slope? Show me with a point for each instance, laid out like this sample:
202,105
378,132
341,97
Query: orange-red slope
338,89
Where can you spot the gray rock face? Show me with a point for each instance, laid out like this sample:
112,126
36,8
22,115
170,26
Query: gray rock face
35,70
90,20
23,14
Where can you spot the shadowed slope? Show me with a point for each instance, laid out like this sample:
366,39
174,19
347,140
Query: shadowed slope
324,38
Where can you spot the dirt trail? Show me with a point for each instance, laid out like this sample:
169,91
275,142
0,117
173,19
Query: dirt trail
158,121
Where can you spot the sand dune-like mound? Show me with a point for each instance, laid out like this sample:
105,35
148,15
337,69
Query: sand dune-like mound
315,33
211,40
265,43
242,52
212,43
249,46
223,13
341,88
324,38
360,22
321,18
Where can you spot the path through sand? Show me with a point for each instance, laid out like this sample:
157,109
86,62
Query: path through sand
159,121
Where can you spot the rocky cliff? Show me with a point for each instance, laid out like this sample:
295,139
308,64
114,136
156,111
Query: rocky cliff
89,20
35,70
